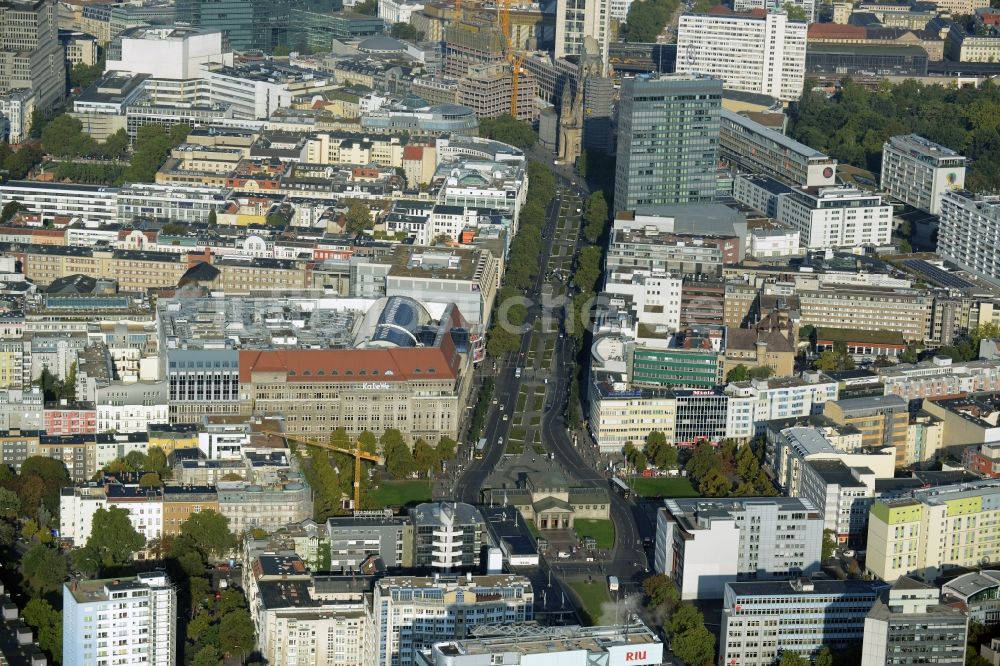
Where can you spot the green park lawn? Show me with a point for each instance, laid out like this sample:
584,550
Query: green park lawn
593,596
603,531
663,486
401,493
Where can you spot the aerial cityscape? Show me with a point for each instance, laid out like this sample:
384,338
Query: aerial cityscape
494,333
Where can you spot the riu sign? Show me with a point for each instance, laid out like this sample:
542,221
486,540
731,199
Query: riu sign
636,654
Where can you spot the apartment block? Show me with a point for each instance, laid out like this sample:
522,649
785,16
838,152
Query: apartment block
169,202
911,625
753,403
933,531
760,52
832,217
969,232
843,495
469,278
757,149
703,544
249,506
93,204
488,90
793,443
918,171
301,618
110,620
807,6
968,420
447,536
180,502
355,538
896,309
940,377
882,420
761,620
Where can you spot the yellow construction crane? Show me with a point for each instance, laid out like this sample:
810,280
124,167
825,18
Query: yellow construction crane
357,452
515,59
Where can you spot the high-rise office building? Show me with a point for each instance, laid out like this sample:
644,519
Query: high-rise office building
754,53
668,140
30,53
120,621
578,19
246,24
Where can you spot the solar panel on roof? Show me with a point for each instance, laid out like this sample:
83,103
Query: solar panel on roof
937,275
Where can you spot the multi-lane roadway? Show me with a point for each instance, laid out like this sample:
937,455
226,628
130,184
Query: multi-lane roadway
628,559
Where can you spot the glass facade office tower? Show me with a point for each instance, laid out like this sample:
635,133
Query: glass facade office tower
246,24
668,140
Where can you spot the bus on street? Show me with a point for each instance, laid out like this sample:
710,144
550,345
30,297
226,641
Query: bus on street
619,487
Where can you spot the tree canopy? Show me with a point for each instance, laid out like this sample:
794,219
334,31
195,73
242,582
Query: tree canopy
647,18
47,622
404,31
691,641
359,218
113,539
597,216
852,125
209,531
508,129
43,569
151,149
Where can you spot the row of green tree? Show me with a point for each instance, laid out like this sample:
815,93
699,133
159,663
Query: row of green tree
32,494
522,264
63,136
596,217
853,124
91,173
478,420
218,625
587,271
152,146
